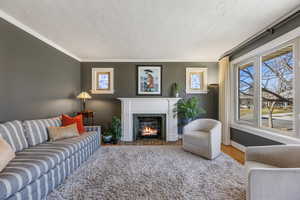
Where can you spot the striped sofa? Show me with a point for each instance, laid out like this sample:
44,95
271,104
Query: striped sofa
40,165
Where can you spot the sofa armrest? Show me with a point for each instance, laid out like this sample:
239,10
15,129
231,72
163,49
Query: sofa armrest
93,128
273,183
284,156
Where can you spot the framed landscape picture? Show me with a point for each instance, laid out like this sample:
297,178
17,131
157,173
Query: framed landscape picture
149,79
196,80
102,81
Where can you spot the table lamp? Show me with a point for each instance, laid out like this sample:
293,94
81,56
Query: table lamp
84,96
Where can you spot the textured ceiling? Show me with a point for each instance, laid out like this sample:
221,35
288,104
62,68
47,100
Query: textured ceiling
147,29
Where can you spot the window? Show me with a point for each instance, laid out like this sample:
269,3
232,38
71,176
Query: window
246,92
265,91
277,75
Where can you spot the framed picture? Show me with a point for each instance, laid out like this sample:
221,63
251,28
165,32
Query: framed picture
149,79
196,80
102,81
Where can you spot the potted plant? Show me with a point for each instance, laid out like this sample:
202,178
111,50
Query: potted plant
175,89
107,136
188,110
116,129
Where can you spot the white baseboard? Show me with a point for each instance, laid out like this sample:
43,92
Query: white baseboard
238,146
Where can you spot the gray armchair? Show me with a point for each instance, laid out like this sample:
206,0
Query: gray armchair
273,172
203,137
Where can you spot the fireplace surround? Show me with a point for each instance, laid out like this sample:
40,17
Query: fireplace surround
130,107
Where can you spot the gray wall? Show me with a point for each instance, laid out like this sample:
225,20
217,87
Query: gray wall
280,29
248,139
240,136
106,106
36,80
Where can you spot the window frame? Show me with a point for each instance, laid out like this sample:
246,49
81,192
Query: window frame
255,57
236,92
289,133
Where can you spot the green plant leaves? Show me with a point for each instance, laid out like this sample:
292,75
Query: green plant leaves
189,108
116,128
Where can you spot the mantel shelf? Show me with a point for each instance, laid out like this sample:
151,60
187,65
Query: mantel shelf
149,98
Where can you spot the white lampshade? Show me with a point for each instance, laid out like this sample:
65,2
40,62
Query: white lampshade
84,95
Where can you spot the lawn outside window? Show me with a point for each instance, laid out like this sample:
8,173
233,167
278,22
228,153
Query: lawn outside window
266,95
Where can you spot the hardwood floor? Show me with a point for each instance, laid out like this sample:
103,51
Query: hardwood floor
229,150
234,153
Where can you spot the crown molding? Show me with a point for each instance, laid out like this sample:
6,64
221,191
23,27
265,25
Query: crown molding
277,42
270,26
32,32
37,35
148,60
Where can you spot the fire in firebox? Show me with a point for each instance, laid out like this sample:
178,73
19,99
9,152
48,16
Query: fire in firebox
148,131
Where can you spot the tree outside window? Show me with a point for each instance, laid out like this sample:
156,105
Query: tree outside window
277,91
246,92
277,74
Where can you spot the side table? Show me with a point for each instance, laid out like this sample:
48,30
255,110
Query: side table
88,117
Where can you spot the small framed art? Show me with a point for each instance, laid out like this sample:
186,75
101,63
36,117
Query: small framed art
102,81
196,80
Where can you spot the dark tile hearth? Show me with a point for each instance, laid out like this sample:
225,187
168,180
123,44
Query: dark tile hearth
147,141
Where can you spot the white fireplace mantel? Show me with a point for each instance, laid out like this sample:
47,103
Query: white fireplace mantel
153,105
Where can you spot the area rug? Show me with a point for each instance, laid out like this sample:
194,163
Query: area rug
153,172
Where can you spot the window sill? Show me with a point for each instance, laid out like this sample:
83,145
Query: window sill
266,134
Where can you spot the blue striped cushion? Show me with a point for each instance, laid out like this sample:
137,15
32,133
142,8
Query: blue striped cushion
34,162
36,130
13,133
38,189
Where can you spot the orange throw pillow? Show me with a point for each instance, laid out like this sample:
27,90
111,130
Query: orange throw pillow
67,120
